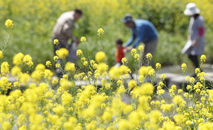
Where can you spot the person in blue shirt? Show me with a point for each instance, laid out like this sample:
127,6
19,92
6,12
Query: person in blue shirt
142,31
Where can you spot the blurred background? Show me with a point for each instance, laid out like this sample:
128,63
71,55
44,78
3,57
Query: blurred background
34,21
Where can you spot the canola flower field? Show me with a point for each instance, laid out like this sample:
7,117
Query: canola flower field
39,100
51,103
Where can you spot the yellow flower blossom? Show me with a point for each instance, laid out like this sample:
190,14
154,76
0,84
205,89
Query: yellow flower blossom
5,68
133,51
28,60
55,42
48,63
140,48
132,84
158,65
79,52
184,66
203,58
9,23
40,67
100,56
62,53
102,68
18,59
124,60
85,63
163,76
83,39
100,31
149,56
177,100
55,58
70,67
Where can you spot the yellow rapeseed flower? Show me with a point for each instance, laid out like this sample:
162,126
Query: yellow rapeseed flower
132,84
163,76
62,53
48,63
40,67
144,70
180,91
24,78
56,42
188,122
197,70
15,71
124,125
18,59
179,119
6,125
203,58
151,72
102,68
147,89
5,68
57,65
124,60
54,81
158,65
184,66
66,98
133,51
85,63
70,67
28,60
160,92
100,31
137,57
100,56
48,74
177,100
149,56
140,48
55,58
9,23
79,52
83,39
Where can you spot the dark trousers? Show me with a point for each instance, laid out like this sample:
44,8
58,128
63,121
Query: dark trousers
59,61
195,61
57,47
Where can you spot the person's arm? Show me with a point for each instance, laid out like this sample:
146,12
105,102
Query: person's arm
131,39
140,37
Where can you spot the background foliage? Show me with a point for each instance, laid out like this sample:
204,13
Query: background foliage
34,21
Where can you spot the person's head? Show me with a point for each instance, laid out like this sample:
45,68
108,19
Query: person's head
192,10
119,43
128,21
77,14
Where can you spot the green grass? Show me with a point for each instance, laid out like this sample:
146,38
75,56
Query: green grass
39,46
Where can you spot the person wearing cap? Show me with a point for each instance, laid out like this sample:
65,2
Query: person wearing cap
196,33
62,31
142,31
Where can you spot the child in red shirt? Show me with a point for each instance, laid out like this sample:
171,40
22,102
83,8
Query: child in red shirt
119,52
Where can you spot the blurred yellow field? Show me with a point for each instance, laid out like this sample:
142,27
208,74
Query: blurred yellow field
92,94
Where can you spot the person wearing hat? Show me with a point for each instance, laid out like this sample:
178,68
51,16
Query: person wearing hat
196,34
142,31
